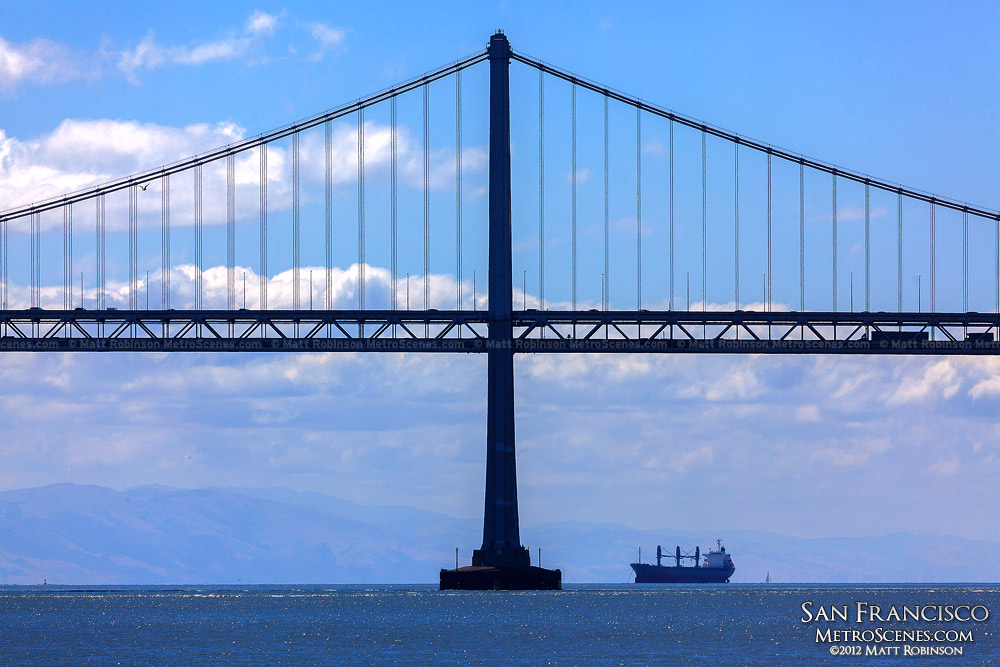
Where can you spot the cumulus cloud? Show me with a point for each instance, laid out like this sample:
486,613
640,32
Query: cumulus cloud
855,454
149,54
42,61
939,379
262,24
327,38
83,153
944,467
280,288
245,44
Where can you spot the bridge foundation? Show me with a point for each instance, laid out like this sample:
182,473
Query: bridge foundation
502,562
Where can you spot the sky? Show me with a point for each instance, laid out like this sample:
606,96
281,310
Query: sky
807,446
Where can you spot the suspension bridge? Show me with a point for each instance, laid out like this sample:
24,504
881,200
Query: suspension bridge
611,203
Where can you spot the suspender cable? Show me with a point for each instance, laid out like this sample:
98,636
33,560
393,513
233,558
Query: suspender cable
736,221
133,261
99,225
834,197
68,255
3,269
328,217
770,293
3,264
458,189
198,240
704,220
34,259
427,196
933,260
296,231
868,248
541,189
361,208
965,262
899,256
165,241
263,227
573,198
638,208
393,203
231,230
605,291
802,236
996,229
671,172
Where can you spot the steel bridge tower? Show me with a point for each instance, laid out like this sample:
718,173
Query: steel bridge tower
502,562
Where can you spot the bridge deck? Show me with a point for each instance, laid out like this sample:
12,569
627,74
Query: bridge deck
748,332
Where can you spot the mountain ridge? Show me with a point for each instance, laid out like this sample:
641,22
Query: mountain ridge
151,534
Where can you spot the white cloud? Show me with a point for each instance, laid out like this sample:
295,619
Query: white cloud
327,36
149,54
939,378
235,45
944,467
853,455
83,153
42,61
262,24
700,455
807,413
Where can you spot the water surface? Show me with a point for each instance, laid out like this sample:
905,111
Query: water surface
735,624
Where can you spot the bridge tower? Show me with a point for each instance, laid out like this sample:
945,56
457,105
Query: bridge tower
502,562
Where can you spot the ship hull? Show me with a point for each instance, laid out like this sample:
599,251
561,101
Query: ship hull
647,573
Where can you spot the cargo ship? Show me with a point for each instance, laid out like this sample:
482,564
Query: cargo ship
716,568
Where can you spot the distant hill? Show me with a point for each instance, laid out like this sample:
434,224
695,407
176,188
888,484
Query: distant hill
81,534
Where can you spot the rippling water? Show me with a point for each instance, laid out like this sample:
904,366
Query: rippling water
419,625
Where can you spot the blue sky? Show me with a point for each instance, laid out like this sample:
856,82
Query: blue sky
805,446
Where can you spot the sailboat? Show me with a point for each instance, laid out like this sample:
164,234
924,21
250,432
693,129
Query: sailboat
768,580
